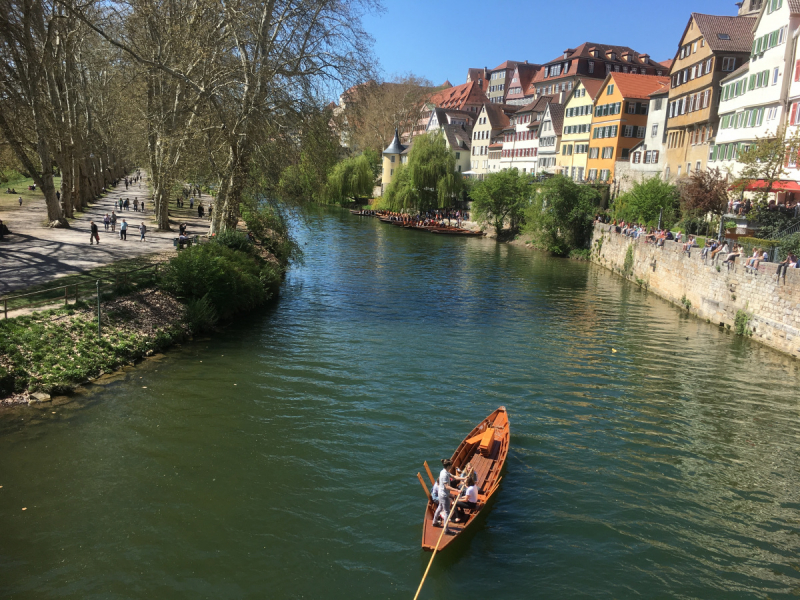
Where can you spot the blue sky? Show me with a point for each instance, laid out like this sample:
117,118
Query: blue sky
441,39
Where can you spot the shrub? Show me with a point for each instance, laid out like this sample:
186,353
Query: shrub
740,323
235,240
790,243
230,280
200,314
627,266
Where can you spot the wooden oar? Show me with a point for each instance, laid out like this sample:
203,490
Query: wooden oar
441,535
424,487
428,469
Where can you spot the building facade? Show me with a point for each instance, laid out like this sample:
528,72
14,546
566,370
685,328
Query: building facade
620,120
391,160
492,120
647,158
575,135
519,92
753,98
520,143
499,78
711,48
550,137
593,61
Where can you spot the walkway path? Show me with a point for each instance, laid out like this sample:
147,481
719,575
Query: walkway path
34,254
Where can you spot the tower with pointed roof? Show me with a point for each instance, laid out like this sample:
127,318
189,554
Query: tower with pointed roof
391,160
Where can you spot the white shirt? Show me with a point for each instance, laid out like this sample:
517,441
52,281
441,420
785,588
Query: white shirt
472,493
444,480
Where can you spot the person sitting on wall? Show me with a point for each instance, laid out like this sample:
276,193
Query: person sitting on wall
710,246
789,262
732,256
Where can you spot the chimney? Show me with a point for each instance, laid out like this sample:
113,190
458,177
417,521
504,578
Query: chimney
526,62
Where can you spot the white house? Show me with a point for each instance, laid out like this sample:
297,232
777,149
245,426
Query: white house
550,137
753,97
520,142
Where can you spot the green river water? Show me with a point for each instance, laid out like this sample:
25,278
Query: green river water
278,458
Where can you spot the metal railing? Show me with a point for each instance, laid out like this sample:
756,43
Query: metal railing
74,291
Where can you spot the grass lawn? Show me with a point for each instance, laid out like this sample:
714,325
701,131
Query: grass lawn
9,201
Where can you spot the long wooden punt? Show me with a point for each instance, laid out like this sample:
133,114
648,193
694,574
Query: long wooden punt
485,448
464,232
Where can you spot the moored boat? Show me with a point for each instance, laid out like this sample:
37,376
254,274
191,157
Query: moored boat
483,452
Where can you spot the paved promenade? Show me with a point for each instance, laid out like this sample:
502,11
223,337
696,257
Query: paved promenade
34,254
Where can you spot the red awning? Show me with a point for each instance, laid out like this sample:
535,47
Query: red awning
777,186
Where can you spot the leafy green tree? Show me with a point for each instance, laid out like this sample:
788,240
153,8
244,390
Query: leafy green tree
351,179
429,179
764,159
644,202
705,192
560,214
501,196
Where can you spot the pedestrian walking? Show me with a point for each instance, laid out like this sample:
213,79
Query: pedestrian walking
123,230
58,196
191,203
135,205
142,231
120,204
20,201
93,235
210,210
113,221
127,204
107,221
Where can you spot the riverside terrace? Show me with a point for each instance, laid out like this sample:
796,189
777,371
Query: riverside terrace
763,305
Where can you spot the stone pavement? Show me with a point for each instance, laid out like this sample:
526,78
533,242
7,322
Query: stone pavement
34,254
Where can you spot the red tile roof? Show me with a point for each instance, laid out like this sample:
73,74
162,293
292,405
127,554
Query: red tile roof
537,105
738,29
556,116
498,118
526,72
593,86
509,64
667,63
458,97
496,145
638,86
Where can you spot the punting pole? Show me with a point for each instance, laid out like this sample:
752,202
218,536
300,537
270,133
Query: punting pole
441,535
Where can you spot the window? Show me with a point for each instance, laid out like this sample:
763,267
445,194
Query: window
592,174
728,63
693,73
637,158
775,76
708,66
608,152
627,131
658,104
391,158
604,174
631,108
608,69
591,66
688,169
625,153
723,36
654,130
696,167
640,132
594,152
610,89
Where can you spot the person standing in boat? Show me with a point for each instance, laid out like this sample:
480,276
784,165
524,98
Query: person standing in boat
446,480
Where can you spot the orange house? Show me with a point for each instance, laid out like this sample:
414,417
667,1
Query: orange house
619,121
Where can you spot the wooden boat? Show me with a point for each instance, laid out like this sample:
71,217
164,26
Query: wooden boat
454,231
485,448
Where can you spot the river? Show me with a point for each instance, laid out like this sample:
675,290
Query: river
652,454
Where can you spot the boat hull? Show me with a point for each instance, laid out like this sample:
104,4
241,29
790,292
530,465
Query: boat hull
488,463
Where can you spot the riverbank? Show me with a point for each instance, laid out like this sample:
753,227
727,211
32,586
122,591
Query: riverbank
52,352
752,302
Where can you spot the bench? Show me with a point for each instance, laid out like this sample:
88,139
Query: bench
179,244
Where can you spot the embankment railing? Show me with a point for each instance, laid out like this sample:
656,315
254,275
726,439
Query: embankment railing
50,296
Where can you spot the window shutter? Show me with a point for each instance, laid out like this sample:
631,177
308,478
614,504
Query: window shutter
655,156
794,113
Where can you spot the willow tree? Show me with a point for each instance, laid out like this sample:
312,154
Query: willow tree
429,179
350,180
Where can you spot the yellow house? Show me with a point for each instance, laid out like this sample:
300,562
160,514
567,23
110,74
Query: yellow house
576,129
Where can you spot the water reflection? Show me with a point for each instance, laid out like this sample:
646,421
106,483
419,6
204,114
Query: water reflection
285,460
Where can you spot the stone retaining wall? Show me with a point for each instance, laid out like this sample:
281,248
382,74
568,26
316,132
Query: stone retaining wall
709,288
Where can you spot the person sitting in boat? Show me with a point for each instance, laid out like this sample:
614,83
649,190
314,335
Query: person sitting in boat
470,500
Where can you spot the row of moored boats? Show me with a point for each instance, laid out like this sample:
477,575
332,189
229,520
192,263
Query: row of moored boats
417,222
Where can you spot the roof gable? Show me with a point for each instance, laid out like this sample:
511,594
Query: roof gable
739,30
638,86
